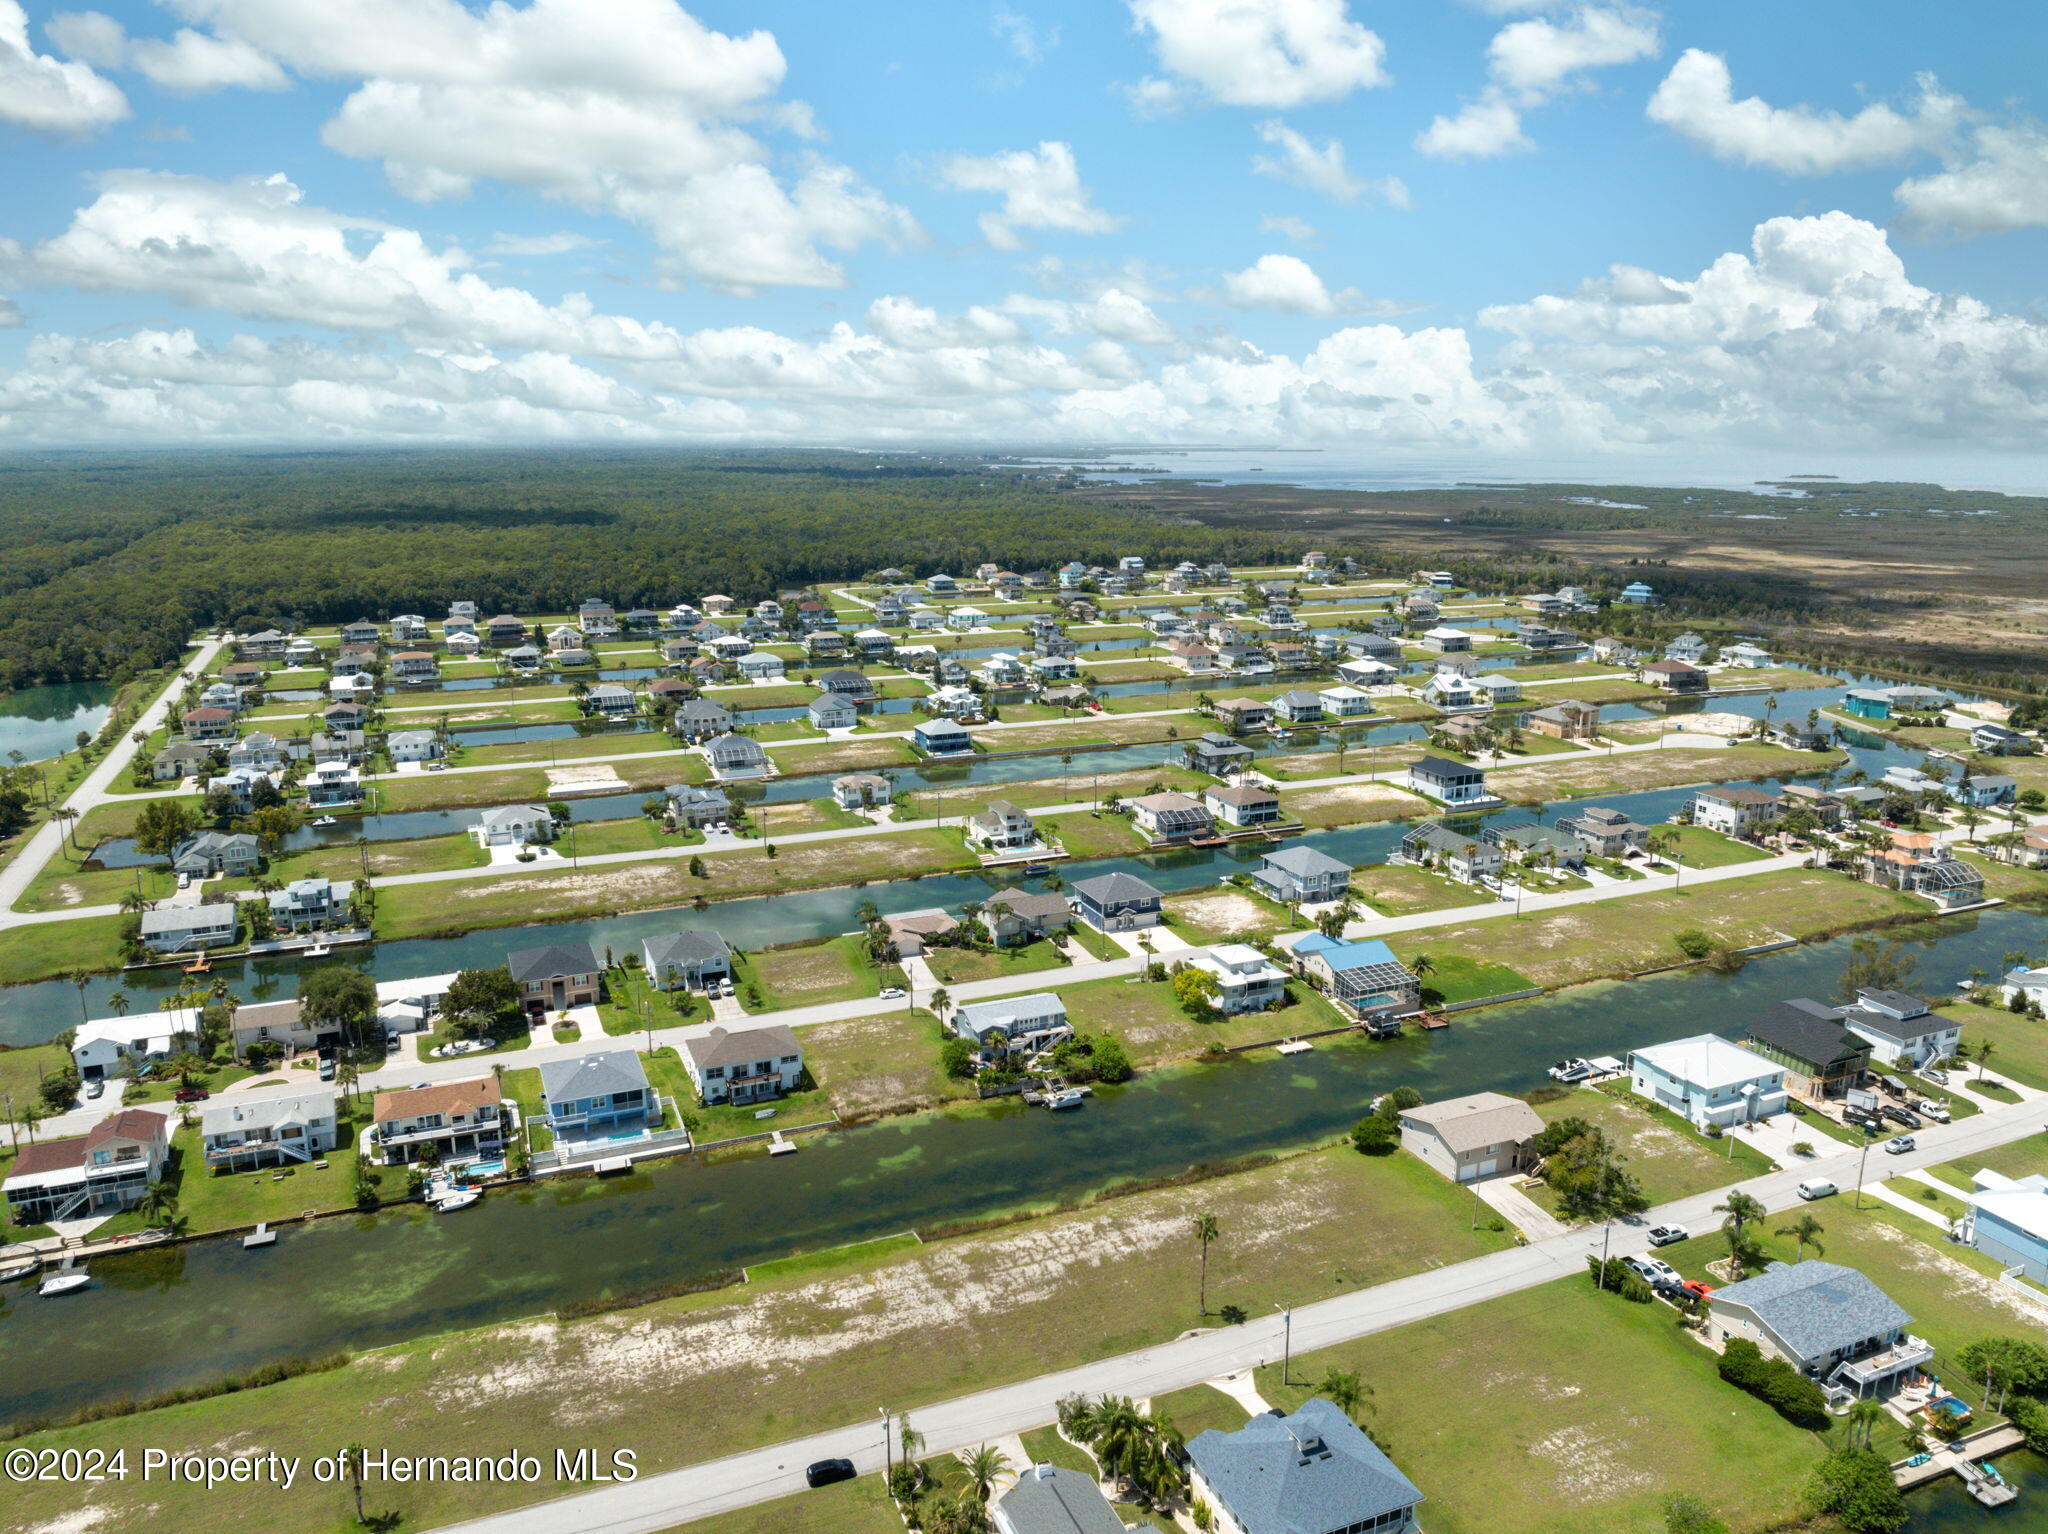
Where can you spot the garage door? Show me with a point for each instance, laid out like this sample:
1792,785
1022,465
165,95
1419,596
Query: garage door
1486,1168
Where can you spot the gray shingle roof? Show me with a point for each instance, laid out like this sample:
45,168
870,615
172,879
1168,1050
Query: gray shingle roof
1816,1307
1006,1012
550,960
1108,889
599,1074
1306,863
1031,906
1049,1500
687,947
742,1046
1806,1030
1304,1474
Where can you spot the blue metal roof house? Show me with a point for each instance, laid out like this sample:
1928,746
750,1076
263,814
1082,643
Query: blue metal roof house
1311,1473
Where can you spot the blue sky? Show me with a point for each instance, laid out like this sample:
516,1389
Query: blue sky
1470,226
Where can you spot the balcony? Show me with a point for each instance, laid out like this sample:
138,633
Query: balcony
1874,1369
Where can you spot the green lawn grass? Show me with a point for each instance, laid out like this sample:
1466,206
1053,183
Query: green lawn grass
954,965
1458,977
1398,890
1197,1409
1700,848
2020,1044
1667,1155
1154,1028
883,1064
859,1506
91,943
1046,1447
805,974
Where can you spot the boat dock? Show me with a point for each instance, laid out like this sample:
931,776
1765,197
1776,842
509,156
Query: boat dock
1967,1458
262,1235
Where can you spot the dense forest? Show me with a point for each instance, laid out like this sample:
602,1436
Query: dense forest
108,563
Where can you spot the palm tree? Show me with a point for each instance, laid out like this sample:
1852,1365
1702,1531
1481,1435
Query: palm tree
983,1467
81,979
1806,1230
1343,1390
118,1003
908,1438
1864,1417
942,1003
159,1203
1984,1053
1422,964
1206,1230
1740,1210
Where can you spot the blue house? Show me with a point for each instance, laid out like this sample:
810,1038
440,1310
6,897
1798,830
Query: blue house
1637,594
1868,702
1364,977
942,737
1304,1474
1984,792
601,1095
2008,1221
1116,903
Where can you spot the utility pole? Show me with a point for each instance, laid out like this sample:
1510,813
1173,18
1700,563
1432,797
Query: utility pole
1861,1162
1287,1343
1606,1234
888,1450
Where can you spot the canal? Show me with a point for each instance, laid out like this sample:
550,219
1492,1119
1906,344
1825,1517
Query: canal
209,1308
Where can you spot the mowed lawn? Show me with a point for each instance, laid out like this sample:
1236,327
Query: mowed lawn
704,1375
1560,1410
1669,1159
1153,1027
1700,848
852,1507
955,965
1583,777
805,974
1633,933
2019,1044
1395,889
1351,804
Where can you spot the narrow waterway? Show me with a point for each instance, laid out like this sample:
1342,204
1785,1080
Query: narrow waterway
209,1308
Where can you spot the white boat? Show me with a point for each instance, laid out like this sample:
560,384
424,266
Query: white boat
324,820
1066,1097
1569,1071
67,1282
318,950
459,1198
19,1268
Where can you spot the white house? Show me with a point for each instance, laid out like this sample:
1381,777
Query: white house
1001,827
1246,979
744,1065
250,1131
514,825
413,746
1027,1022
178,929
1901,1030
117,1046
1708,1080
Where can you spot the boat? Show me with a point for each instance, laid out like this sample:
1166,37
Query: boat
324,820
1571,1071
69,1281
457,1198
1066,1097
1037,868
19,1268
319,950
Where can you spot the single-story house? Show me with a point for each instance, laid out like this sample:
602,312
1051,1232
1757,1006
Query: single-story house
690,960
281,1023
247,1131
737,756
514,825
1363,977
852,683
609,700
117,1046
179,929
1310,1473
556,976
1025,1022
911,930
744,1065
1708,1080
1117,902
104,1170
450,1118
1539,846
1049,1500
1829,1322
1469,1138
181,759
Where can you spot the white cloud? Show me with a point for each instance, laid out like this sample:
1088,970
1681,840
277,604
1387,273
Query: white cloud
631,107
1528,62
558,244
1538,57
1697,99
1283,282
904,322
10,313
190,62
1286,223
1023,36
1478,130
1041,189
2002,188
46,94
1263,53
1115,314
1321,167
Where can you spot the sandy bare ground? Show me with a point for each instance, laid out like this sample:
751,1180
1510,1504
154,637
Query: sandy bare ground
1225,912
1356,801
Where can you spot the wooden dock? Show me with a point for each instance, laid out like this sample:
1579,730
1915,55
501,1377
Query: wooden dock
1965,1458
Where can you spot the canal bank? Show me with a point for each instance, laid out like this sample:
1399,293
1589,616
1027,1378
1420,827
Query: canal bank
211,1309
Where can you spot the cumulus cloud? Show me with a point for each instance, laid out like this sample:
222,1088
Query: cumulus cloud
1529,62
1697,100
1258,53
1286,283
560,243
1115,314
1286,223
904,322
189,62
2001,187
1041,189
50,95
1026,40
1301,162
631,107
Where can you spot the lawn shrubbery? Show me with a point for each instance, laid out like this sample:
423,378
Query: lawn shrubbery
1774,1382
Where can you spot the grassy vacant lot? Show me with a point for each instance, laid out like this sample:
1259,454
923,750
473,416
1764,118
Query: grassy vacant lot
1086,731
884,1064
1130,671
63,883
802,815
1700,848
852,1507
2005,881
421,909
1351,804
805,974
817,1348
22,1070
1154,1028
1668,1156
1094,836
2020,1043
842,756
1055,787
1225,915
1397,890
1458,977
953,965
56,948
1561,1409
1633,933
1303,765
2020,1158
1589,776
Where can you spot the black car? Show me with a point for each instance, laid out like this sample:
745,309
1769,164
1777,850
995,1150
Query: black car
827,1471
1905,1117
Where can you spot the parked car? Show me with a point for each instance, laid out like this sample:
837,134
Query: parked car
1898,1145
184,881
1666,1235
1655,1272
94,1088
190,1095
1905,1118
825,1472
326,1070
1939,1078
892,993
1928,1108
1817,1187
1696,1289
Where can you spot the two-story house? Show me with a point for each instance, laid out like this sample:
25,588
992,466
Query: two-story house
689,960
1708,1080
101,1172
556,976
1312,1471
1901,1030
1448,782
744,1065
1116,902
1829,1322
1246,980
451,1118
245,1131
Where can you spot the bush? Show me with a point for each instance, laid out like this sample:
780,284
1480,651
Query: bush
1856,1486
1693,943
1375,1136
956,1055
1774,1382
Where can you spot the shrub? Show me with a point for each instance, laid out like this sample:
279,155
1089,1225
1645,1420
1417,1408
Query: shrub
957,1056
1375,1136
1693,943
1774,1382
1856,1486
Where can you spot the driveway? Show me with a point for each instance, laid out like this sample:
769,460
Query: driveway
1521,1212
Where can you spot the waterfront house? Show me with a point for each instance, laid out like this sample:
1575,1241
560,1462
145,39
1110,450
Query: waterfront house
1302,876
1997,740
1298,707
608,700
1901,1030
1687,647
1461,857
349,747
1637,594
847,683
1216,754
691,805
1604,832
514,825
1452,691
330,784
235,789
204,724
861,790
1469,1139
1675,676
744,1065
1921,864
1241,805
1829,1322
1537,845
1310,1473
761,666
504,631
1566,719
290,1128
601,1095
833,711
264,644
180,929
1446,641
690,960
1362,977
412,746
414,666
1020,916
2007,1220
1345,702
1002,827
1821,1057
1169,817
1246,980
1984,791
1049,1500
1708,1080
1117,902
210,853
556,976
1368,672
942,737
307,903
117,1046
101,1172
737,757
700,719
1733,811
181,759
1448,782
1797,735
453,1119
1745,656
1028,1023
1242,715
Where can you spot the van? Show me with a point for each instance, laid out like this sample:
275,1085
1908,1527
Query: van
1817,1187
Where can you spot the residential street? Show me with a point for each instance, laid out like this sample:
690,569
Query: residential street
661,1501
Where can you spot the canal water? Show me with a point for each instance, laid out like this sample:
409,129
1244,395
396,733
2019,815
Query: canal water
1947,1508
209,1308
42,722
